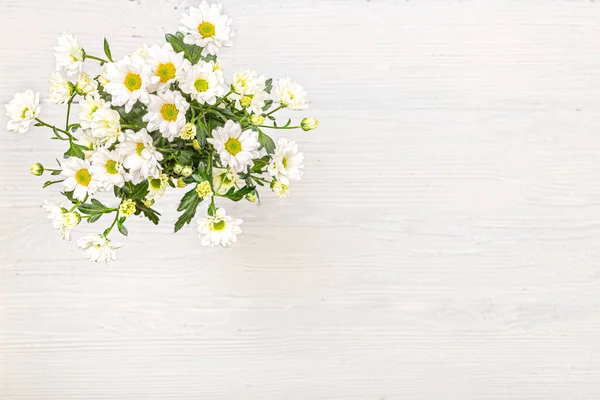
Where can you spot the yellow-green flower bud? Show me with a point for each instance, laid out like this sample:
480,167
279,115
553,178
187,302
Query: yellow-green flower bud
127,208
178,168
187,171
308,124
181,183
246,101
37,169
252,197
70,219
188,132
196,145
257,119
203,189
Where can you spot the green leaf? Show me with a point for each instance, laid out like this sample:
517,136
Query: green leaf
148,212
267,105
48,183
185,157
266,142
139,191
94,218
122,228
93,208
192,52
188,200
189,203
269,86
107,50
75,150
239,195
259,164
176,43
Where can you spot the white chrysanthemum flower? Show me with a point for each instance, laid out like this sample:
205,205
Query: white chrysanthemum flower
166,112
220,229
60,89
128,81
86,139
157,187
206,27
69,54
140,156
164,64
286,162
98,248
280,189
62,220
249,90
202,82
142,50
86,85
108,169
188,132
22,110
224,179
236,148
106,125
291,94
87,107
79,178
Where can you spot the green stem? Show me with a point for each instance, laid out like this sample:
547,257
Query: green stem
78,203
275,110
222,99
102,60
69,112
54,128
280,127
107,231
211,209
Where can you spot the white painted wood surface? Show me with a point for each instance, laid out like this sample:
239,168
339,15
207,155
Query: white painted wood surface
443,244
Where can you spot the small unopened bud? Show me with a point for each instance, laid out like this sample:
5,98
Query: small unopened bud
246,101
196,145
280,189
251,197
181,183
70,219
148,202
308,124
203,189
257,119
37,169
187,171
178,168
188,132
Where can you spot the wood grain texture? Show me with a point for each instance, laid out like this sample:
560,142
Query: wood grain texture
443,244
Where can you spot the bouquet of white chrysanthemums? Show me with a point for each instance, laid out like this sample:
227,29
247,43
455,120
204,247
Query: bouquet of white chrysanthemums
163,116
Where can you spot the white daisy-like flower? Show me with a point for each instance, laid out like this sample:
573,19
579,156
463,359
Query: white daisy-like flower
62,220
286,162
128,81
98,248
140,156
142,50
219,230
157,187
249,90
281,190
206,27
86,139
87,107
79,178
291,94
202,82
69,54
60,89
236,148
106,125
22,110
86,85
164,64
108,169
166,113
224,179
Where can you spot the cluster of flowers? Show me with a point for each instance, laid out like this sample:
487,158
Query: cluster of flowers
164,116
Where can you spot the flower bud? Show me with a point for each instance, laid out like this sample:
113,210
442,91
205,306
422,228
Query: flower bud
181,183
203,189
148,202
308,124
251,197
188,132
187,171
37,169
70,219
178,168
257,119
127,208
246,101
196,145
280,189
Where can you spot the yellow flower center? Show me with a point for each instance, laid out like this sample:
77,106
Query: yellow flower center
284,162
132,82
83,177
139,147
169,112
155,183
111,167
233,146
206,29
217,225
201,85
24,114
166,72
246,101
